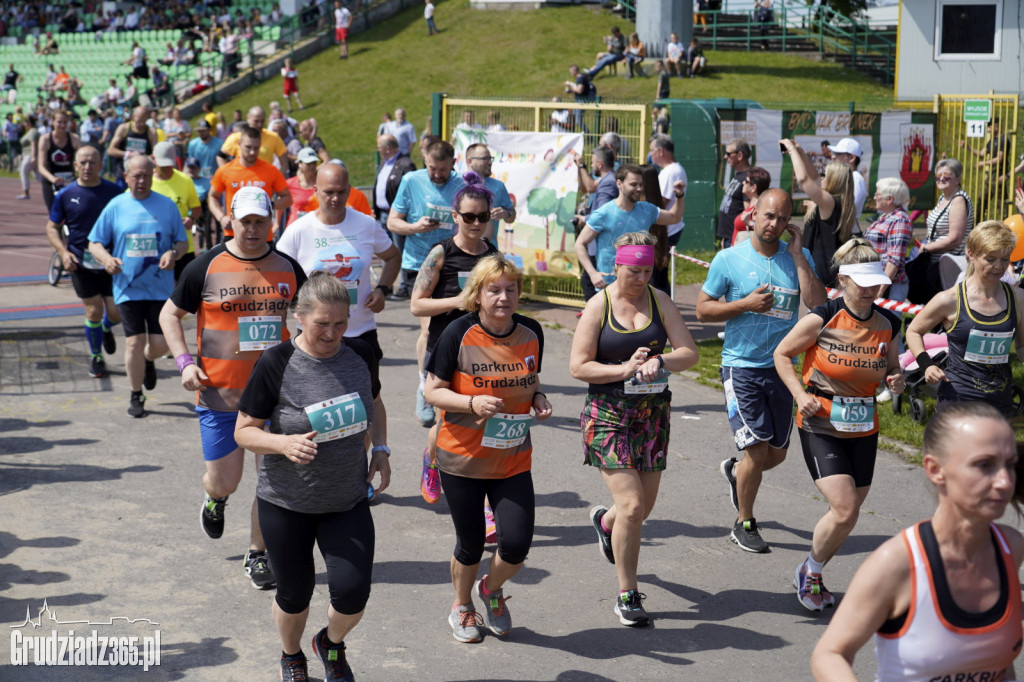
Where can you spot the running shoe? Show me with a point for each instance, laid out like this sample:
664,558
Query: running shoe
136,405
149,376
430,480
604,539
211,516
465,622
109,343
491,532
810,590
424,411
727,467
257,569
336,668
629,607
98,368
885,396
496,616
293,668
746,535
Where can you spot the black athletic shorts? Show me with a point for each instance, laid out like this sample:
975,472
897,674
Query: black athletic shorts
89,283
370,337
141,317
831,456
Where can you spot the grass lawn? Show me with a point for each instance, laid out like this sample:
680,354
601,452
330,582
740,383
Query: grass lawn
517,54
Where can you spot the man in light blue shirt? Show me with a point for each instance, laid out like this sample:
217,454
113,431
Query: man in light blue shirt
403,131
615,218
422,211
479,160
137,238
762,281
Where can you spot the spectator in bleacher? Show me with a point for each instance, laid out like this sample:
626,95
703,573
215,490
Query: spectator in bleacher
50,45
138,61
765,16
117,21
308,136
616,44
674,52
275,15
270,144
228,47
131,20
161,86
130,94
48,79
636,52
205,148
75,86
170,55
10,86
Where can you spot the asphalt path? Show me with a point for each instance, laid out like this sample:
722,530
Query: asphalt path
99,519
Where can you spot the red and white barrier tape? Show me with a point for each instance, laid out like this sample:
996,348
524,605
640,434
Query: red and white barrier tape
894,306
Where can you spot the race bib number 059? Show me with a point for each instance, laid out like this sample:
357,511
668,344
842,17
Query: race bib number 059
337,418
505,431
853,415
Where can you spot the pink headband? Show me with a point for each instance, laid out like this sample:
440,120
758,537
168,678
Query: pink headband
640,256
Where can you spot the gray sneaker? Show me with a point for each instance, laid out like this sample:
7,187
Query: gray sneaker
496,616
727,468
466,622
746,535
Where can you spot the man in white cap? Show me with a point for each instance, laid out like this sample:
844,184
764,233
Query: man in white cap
849,151
137,238
233,330
179,188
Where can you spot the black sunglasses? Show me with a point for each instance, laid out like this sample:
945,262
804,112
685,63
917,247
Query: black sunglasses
484,217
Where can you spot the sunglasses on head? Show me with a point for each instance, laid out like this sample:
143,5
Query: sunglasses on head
484,217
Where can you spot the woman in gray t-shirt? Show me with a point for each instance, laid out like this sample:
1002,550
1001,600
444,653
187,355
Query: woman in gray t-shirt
317,391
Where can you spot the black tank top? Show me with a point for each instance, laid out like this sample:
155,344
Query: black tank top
454,271
136,142
978,367
61,160
615,344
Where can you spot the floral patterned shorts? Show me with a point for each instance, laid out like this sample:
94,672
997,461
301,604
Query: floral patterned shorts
626,433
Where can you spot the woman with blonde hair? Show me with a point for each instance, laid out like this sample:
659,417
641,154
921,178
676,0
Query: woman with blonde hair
621,350
850,349
832,217
982,316
942,599
484,376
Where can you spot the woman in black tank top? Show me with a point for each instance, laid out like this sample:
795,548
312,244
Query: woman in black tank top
982,316
57,157
437,293
621,350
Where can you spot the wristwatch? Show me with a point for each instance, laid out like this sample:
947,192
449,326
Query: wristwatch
380,448
384,289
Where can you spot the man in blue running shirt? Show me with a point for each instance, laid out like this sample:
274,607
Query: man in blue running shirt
76,208
422,211
763,281
137,238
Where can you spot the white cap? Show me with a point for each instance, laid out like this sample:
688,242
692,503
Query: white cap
165,155
307,155
847,145
865,274
251,201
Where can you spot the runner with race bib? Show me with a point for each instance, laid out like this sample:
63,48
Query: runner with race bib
851,346
483,375
983,316
621,350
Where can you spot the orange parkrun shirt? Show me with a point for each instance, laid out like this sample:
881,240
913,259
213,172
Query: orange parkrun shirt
475,362
233,175
241,308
